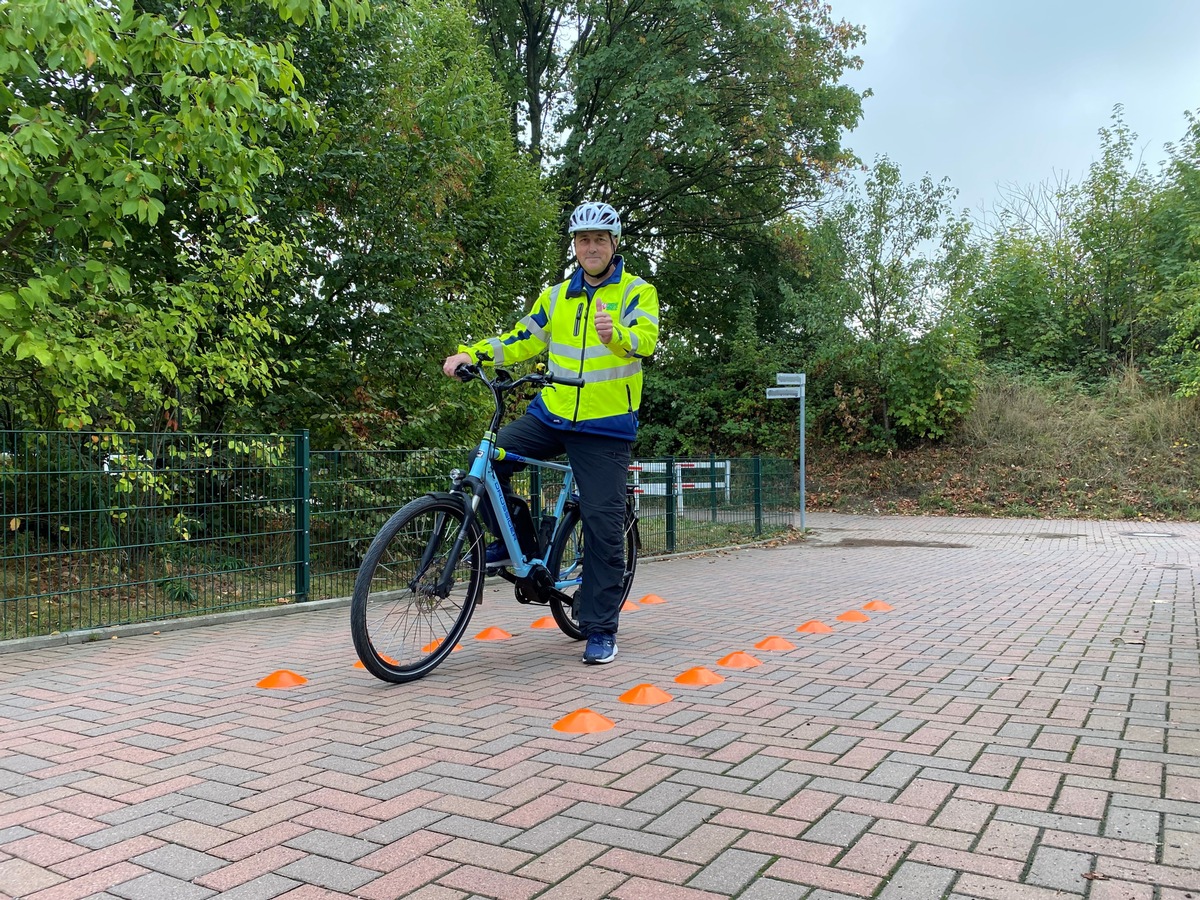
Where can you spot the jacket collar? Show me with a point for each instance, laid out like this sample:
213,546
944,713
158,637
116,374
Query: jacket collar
575,285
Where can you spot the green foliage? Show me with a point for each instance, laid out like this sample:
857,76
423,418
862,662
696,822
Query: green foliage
416,225
134,275
1175,247
890,361
931,384
1071,271
704,123
1021,307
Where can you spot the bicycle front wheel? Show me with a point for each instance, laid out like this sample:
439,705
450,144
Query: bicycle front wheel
565,562
408,611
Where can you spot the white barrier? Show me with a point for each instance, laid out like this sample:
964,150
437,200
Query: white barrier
705,476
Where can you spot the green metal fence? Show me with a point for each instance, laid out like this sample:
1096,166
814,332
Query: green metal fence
107,529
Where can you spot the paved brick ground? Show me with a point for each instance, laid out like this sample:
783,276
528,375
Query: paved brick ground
1024,725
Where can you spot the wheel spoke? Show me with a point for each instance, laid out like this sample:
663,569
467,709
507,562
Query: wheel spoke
401,625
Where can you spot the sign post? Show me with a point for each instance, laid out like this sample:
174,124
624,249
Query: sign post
792,386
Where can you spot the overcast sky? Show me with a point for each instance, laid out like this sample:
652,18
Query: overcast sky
992,92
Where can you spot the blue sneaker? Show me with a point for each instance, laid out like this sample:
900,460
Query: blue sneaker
601,648
496,554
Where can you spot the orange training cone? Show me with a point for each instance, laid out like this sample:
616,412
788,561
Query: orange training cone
651,599
283,678
387,659
774,642
645,695
812,626
583,721
853,615
433,645
544,622
699,676
629,606
493,634
878,606
738,660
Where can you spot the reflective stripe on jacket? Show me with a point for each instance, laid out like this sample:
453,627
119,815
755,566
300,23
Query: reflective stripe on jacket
562,322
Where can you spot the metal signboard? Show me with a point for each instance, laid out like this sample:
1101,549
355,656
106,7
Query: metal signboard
789,378
782,393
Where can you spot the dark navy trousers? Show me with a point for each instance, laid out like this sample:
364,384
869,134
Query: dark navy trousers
601,467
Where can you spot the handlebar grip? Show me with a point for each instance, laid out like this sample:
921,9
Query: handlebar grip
567,380
464,372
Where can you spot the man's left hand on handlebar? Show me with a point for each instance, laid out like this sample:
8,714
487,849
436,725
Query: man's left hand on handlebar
450,366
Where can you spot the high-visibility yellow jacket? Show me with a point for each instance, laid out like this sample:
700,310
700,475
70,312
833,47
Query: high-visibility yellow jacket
562,321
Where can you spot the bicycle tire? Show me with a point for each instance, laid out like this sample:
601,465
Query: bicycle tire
565,559
402,631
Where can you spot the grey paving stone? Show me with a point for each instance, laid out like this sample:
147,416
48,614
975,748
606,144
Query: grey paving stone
878,792
401,826
1047,820
156,886
179,862
720,782
838,828
770,889
661,797
328,873
146,808
547,834
109,836
917,881
265,887
1062,870
622,817
346,765
640,841
836,743
780,785
1132,825
218,793
730,872
476,790
757,767
681,820
228,774
22,763
335,846
475,829
207,811
892,774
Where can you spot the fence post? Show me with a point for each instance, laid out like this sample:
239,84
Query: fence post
712,484
758,505
303,508
670,504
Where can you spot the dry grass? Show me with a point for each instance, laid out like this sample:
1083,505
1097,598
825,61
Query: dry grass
1035,449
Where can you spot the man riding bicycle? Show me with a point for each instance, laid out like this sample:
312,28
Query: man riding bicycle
597,326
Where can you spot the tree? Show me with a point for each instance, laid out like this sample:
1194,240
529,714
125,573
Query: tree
1110,225
1174,245
416,224
900,346
134,269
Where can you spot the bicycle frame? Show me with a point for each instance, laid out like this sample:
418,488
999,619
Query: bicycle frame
482,472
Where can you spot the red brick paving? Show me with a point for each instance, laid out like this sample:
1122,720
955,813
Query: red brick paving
1027,713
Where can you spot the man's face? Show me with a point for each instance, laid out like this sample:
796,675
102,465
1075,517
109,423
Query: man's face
594,250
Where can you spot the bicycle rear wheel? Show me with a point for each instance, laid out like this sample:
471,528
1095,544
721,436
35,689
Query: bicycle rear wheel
565,562
402,622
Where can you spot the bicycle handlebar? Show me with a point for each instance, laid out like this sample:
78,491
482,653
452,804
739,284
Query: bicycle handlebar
467,372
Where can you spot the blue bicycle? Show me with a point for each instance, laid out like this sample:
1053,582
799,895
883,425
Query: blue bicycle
423,574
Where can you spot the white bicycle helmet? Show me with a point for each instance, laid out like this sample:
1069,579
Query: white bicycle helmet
594,216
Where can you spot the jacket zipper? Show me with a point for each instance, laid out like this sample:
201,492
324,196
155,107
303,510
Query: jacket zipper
582,346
